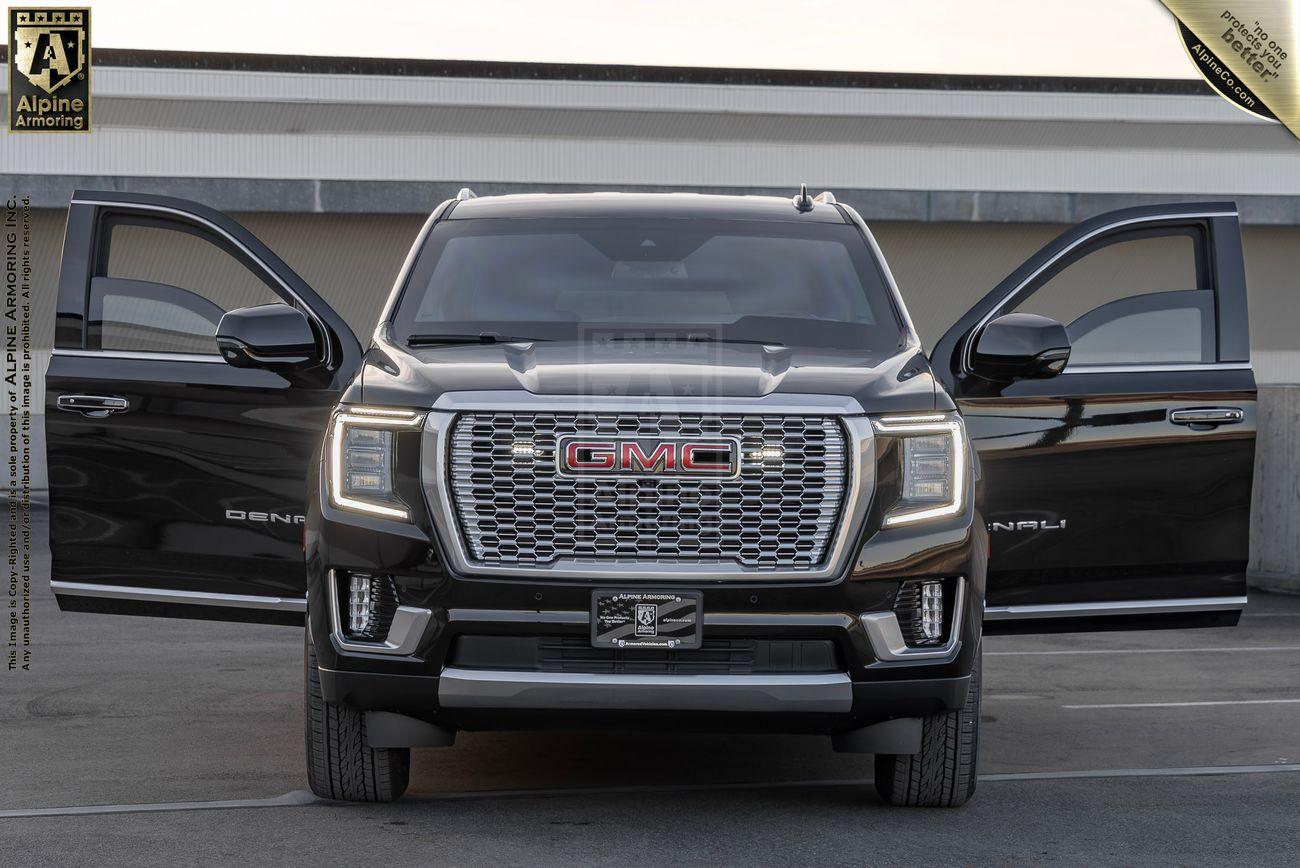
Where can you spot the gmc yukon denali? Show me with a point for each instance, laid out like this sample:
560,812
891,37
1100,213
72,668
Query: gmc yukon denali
649,461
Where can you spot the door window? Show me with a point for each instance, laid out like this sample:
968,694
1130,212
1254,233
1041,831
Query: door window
1138,299
162,288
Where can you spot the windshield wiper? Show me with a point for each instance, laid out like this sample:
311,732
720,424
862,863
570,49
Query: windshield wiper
480,338
698,338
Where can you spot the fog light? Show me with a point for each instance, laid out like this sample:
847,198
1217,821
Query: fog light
920,609
359,603
365,605
932,610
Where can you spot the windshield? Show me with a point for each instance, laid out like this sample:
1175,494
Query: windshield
811,285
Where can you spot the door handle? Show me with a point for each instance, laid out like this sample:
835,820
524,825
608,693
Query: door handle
95,406
1207,417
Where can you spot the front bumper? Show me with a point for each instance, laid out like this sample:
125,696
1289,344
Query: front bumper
498,700
424,681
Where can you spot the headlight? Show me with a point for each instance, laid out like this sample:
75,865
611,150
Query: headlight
934,467
362,458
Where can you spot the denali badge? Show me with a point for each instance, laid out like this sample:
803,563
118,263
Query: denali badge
995,526
648,457
265,517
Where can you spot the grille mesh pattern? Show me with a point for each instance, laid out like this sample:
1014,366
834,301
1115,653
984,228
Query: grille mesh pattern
516,510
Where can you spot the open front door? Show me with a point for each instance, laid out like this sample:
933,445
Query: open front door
178,481
1117,491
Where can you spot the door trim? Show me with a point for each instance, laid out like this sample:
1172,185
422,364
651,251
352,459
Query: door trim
194,598
1157,369
1119,607
140,356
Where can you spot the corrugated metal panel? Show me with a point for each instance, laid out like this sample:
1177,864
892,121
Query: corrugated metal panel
570,123
1275,514
1275,366
615,162
657,96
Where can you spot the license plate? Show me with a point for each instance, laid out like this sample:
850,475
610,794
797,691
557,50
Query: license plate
646,619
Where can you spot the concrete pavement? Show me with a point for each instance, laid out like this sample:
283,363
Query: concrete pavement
1193,739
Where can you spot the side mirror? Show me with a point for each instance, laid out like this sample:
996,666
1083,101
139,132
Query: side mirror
1021,346
274,336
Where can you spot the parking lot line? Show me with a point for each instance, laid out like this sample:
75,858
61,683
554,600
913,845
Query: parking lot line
1236,650
302,798
296,798
1188,704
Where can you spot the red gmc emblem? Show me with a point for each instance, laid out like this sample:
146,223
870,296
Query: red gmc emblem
577,456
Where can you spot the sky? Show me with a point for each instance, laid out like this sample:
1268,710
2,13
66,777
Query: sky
1113,38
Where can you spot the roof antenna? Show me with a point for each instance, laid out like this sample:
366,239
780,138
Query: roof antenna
465,193
803,202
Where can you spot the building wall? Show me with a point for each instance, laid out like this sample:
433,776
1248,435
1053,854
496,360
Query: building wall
334,162
942,268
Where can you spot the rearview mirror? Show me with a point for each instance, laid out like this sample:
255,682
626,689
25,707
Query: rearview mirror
274,336
1021,346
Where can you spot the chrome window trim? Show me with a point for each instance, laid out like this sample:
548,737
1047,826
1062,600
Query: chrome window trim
141,355
404,634
968,349
487,688
1157,368
766,405
270,272
434,459
164,595
890,648
1115,607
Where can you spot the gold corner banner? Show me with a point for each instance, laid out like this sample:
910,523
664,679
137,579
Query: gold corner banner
1246,50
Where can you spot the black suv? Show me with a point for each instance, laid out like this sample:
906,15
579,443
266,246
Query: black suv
648,460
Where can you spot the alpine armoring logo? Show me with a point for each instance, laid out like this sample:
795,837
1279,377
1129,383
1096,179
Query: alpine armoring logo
49,70
642,457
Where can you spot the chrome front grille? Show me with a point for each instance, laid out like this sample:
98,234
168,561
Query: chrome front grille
512,509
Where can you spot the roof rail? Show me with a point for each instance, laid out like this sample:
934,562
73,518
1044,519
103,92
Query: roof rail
825,197
465,193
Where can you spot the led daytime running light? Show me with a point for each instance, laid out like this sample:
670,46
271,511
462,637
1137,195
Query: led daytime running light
369,417
930,425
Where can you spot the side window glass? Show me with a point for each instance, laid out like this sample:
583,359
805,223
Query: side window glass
1160,328
1134,301
164,290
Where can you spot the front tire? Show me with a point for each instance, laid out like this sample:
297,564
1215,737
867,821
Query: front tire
942,775
340,764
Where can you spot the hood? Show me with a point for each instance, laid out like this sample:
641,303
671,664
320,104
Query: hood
400,377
